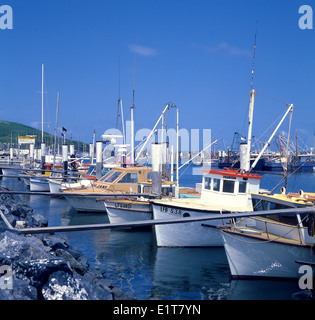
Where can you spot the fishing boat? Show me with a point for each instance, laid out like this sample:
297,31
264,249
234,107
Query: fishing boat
128,209
274,246
223,191
83,181
120,180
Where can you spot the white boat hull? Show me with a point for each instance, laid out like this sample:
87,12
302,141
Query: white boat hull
192,234
251,258
39,185
56,186
86,204
11,172
128,212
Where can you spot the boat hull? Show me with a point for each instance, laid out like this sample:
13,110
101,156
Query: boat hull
251,258
86,204
119,212
39,185
55,186
11,172
191,234
59,186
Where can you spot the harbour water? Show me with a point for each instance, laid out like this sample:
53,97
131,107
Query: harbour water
136,265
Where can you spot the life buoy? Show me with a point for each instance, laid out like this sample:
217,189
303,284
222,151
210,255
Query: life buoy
74,165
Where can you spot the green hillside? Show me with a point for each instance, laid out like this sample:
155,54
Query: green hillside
9,132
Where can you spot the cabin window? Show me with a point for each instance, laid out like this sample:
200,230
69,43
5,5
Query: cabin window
106,175
261,205
228,186
207,183
242,187
216,184
130,177
112,177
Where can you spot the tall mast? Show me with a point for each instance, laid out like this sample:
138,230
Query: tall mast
251,109
250,129
42,103
55,141
132,129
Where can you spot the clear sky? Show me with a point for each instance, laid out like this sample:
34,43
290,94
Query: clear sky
196,53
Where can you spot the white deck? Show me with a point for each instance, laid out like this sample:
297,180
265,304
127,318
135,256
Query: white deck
198,204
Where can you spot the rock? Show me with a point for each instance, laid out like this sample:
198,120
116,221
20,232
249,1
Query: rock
74,264
21,290
61,286
19,247
55,242
46,266
39,221
38,271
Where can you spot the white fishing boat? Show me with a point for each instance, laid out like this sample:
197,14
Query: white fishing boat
39,184
128,209
275,246
223,191
58,186
11,171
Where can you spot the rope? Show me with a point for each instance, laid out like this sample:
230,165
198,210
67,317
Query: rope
286,103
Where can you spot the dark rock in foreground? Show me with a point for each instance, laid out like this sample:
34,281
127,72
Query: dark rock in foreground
45,266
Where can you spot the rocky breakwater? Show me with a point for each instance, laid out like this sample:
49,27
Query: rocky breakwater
44,266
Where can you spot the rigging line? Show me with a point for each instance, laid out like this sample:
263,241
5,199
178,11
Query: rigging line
276,121
254,55
264,95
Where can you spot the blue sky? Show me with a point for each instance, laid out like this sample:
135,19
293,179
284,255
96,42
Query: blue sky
195,53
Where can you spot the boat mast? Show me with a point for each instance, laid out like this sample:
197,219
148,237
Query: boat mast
55,141
250,129
42,103
132,126
251,109
177,155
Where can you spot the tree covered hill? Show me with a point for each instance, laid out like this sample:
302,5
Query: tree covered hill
10,131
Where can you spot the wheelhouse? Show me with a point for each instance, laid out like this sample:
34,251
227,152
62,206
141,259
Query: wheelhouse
123,179
227,185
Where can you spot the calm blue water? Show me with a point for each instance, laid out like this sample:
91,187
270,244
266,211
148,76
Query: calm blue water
133,261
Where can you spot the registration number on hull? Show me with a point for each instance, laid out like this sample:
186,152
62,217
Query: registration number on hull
171,210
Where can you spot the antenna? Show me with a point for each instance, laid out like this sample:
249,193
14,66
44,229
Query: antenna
252,79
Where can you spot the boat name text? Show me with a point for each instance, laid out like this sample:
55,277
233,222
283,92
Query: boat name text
123,205
228,177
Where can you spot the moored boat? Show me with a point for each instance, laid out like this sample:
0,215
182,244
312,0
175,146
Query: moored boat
223,191
274,246
120,180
